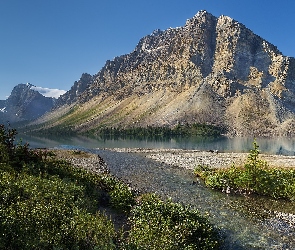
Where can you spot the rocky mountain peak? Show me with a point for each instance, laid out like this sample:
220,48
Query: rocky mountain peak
22,92
76,90
156,32
212,70
202,16
24,103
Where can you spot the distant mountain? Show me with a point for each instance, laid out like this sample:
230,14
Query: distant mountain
24,104
212,70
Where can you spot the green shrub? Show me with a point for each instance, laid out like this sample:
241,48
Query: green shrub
47,203
254,177
156,224
38,213
122,198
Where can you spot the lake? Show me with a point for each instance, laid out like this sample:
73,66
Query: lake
278,145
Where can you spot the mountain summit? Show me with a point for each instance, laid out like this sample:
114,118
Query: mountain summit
212,70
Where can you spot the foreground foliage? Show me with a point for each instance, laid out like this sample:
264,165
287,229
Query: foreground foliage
256,176
166,225
46,203
39,213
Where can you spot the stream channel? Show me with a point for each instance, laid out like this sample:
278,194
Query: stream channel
245,222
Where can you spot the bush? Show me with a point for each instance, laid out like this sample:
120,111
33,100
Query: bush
47,203
38,213
156,224
122,198
254,177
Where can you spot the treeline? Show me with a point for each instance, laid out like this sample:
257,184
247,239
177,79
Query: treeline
148,132
195,129
49,131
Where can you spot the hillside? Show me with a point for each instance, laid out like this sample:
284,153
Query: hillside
212,70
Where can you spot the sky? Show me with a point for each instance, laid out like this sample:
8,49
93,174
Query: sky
50,43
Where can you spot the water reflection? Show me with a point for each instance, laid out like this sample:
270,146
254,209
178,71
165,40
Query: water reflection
279,145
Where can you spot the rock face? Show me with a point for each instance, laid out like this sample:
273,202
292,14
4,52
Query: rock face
76,90
212,70
24,104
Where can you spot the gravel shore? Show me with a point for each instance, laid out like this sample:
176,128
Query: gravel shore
189,159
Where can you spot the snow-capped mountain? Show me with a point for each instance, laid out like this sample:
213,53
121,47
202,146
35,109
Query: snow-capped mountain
25,103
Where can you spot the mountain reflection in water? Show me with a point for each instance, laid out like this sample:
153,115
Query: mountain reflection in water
277,145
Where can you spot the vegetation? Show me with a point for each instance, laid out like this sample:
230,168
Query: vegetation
46,203
52,131
166,225
151,132
256,176
195,129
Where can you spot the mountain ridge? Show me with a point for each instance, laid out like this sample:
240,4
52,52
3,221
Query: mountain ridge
24,104
211,70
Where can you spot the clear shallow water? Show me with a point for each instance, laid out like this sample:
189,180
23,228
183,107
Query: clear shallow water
244,222
280,145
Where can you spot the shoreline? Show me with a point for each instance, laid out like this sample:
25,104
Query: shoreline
189,159
168,173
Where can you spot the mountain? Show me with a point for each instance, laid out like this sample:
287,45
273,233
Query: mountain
76,90
212,70
24,104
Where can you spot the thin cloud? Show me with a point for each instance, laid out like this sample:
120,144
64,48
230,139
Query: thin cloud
49,92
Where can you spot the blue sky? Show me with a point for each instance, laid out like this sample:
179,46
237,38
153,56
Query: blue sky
50,43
